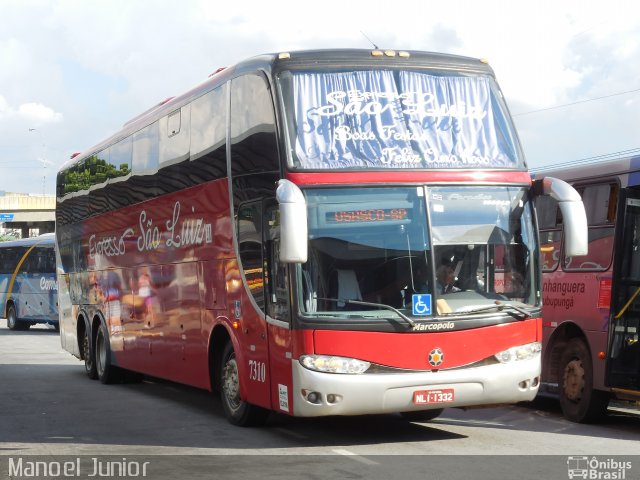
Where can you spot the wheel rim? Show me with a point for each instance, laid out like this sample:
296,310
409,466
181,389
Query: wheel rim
11,318
574,380
101,354
87,352
231,384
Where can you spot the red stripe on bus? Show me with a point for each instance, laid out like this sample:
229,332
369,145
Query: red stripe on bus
351,178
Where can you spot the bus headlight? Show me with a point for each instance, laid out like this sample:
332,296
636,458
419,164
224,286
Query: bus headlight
523,352
331,364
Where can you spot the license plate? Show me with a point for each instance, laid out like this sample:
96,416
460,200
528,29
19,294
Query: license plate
429,397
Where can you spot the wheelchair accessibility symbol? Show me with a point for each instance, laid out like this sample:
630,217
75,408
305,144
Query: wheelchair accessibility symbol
421,304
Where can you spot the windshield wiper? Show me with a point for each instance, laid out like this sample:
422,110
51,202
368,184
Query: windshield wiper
497,305
371,304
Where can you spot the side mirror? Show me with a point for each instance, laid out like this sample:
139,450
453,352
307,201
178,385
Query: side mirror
294,239
576,236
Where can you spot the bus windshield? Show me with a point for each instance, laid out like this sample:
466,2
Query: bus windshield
457,248
396,119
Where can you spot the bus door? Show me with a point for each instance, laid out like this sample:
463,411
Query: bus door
624,347
277,293
252,229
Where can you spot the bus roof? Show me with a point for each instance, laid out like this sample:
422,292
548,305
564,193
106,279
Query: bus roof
584,170
45,239
337,58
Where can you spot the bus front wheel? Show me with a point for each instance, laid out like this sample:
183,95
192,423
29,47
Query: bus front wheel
238,411
578,399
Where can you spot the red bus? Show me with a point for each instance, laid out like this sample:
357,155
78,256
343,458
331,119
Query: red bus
591,305
279,234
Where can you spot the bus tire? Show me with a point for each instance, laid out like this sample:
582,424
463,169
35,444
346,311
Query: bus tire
579,401
107,372
422,415
237,411
12,320
88,354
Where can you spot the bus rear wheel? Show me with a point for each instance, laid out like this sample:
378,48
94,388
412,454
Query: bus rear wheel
89,355
578,399
12,320
237,411
107,372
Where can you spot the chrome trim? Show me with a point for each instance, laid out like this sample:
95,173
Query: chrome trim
390,393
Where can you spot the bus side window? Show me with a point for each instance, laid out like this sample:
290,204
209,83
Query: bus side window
18,254
145,151
208,131
550,225
5,260
253,127
599,204
550,249
600,201
175,137
31,261
50,262
120,159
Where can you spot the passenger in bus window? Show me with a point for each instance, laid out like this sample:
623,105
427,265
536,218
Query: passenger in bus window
514,284
445,277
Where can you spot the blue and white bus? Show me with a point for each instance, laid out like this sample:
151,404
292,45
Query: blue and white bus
28,285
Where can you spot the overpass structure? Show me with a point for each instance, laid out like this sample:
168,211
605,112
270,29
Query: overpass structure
25,212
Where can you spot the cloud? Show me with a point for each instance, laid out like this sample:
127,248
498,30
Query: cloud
38,113
31,112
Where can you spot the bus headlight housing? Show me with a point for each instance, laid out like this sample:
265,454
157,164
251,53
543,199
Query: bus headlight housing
333,364
523,352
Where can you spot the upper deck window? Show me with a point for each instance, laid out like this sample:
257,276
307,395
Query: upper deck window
388,119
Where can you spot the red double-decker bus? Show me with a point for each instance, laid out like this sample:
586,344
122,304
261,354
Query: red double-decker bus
314,233
591,303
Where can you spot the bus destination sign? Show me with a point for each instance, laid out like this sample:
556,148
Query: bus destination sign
371,215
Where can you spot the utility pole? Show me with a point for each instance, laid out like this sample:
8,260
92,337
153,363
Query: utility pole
43,160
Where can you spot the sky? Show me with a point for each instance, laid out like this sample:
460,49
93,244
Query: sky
72,72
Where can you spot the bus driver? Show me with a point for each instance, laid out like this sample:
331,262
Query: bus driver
445,277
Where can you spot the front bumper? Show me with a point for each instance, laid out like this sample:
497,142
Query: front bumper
375,393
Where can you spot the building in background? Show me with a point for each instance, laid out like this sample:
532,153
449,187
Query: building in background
24,215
